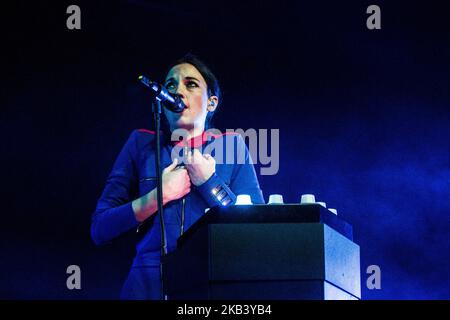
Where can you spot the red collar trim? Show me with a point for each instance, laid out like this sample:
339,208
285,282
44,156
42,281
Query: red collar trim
147,131
196,141
201,139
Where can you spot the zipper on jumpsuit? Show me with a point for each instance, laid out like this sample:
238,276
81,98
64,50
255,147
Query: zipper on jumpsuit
183,203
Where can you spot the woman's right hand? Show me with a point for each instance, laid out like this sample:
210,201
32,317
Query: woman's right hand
175,182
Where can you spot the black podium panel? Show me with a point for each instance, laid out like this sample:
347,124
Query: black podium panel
244,253
286,213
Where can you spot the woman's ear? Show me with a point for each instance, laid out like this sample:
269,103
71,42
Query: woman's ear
213,101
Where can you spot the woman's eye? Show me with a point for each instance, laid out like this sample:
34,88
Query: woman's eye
170,86
191,84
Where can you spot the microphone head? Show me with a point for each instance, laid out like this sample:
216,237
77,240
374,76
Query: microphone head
144,80
172,102
176,106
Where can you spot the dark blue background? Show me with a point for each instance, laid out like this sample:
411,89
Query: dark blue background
363,116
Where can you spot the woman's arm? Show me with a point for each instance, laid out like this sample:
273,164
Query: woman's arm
114,213
116,210
243,180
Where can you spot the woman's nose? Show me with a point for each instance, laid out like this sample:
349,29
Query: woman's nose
180,92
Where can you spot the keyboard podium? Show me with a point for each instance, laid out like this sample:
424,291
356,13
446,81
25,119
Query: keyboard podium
265,252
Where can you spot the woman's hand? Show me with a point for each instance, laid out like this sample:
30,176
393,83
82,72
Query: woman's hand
200,167
175,182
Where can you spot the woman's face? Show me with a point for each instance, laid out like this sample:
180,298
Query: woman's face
187,82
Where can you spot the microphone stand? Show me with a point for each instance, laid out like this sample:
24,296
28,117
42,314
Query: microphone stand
160,93
156,108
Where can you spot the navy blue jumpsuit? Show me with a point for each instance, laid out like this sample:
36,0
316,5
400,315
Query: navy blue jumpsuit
134,175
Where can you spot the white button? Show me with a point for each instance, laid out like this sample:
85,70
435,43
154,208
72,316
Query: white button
308,199
275,199
243,199
333,210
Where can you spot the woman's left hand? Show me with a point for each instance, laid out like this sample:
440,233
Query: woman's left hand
200,167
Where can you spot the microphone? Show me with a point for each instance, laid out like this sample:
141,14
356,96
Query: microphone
171,102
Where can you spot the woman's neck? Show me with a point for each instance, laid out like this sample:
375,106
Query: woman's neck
192,132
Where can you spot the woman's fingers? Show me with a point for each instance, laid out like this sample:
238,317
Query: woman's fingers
172,166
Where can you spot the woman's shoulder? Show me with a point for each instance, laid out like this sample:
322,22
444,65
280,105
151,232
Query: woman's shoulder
141,138
143,134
